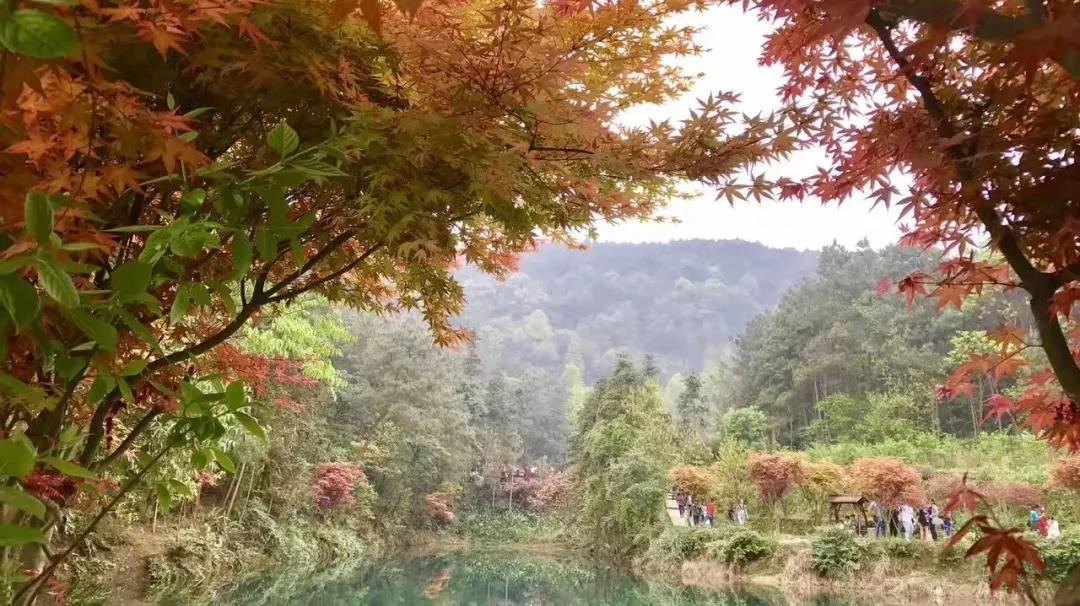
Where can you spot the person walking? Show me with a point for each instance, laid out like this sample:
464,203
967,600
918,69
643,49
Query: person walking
879,518
741,514
933,513
1033,517
710,513
680,500
907,520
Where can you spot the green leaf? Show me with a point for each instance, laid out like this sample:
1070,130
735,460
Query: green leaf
38,214
317,168
101,388
156,245
34,396
58,2
23,501
14,264
131,279
200,459
79,246
283,139
224,461
37,34
125,390
69,366
16,536
193,200
20,299
180,488
198,111
164,499
133,367
69,469
16,460
99,331
139,330
180,304
234,395
57,283
251,425
266,244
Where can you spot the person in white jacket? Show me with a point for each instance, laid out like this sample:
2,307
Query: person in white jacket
907,520
1053,531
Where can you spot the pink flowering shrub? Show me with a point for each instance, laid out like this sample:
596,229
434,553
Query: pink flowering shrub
334,485
548,491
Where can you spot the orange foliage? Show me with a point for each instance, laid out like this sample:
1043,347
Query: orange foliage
698,481
1066,473
888,481
775,474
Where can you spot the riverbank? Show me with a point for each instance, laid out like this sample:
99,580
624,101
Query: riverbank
834,561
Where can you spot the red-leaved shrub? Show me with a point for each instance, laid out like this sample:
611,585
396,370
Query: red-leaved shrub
334,485
1066,473
554,491
775,474
941,488
440,507
1012,494
698,481
888,481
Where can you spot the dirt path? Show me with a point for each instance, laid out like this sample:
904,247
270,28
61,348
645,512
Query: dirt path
673,511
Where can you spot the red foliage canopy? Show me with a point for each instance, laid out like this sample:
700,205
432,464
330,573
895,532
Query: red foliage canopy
775,474
888,481
334,485
1066,473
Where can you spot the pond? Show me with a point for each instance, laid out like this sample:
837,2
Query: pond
488,579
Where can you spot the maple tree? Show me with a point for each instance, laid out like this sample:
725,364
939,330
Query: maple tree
974,102
775,474
888,481
172,171
698,481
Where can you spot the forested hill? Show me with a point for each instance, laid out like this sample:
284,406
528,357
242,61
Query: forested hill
672,300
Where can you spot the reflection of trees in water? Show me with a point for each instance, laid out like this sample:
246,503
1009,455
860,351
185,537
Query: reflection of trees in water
491,579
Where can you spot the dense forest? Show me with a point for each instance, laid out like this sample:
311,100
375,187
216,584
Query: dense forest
680,302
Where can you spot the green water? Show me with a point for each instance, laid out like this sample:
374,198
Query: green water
488,579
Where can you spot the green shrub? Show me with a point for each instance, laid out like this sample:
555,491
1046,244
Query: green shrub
740,548
1060,556
686,543
895,548
834,553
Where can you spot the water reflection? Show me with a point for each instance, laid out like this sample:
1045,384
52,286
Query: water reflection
486,579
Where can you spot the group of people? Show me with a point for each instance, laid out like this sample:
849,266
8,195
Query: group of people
703,513
921,523
924,523
1040,522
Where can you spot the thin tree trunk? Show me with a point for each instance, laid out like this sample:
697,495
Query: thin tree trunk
236,488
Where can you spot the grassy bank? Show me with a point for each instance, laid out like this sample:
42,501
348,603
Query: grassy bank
198,556
835,560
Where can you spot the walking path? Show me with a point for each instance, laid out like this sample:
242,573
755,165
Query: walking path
673,511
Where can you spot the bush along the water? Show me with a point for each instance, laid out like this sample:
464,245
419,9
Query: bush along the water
1060,557
834,553
740,548
895,548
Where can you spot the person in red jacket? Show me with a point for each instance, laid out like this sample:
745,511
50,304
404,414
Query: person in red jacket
1043,525
710,513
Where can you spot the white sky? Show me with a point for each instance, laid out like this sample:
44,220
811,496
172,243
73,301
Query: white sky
733,40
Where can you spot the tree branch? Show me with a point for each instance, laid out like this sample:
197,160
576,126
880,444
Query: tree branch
1041,286
143,424
299,290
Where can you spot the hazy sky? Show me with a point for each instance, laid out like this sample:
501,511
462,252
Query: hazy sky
733,40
